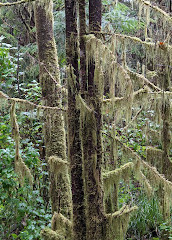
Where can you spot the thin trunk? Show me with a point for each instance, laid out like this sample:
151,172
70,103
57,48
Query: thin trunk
95,15
82,21
91,126
166,142
54,132
75,154
166,133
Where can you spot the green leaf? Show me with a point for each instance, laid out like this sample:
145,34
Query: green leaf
14,235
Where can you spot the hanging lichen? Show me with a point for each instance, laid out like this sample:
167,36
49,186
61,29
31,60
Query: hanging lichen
154,157
152,178
20,167
57,165
165,16
117,223
113,177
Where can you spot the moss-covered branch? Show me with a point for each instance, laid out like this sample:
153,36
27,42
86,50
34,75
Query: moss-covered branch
137,95
122,172
123,210
27,104
142,80
149,44
156,9
133,119
117,223
14,3
154,176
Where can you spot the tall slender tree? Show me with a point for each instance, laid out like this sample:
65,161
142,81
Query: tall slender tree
54,132
91,125
74,142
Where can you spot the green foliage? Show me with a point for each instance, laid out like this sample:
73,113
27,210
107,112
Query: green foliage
7,65
147,219
23,212
120,18
28,64
166,230
59,32
31,91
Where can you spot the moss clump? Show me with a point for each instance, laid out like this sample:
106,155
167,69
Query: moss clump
117,223
57,165
154,157
113,177
48,234
61,225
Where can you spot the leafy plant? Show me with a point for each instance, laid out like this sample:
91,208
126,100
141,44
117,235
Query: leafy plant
121,18
147,219
23,212
7,66
166,230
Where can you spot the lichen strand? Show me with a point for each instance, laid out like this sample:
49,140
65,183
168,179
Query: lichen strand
21,169
113,177
106,61
144,181
152,178
147,14
154,136
3,101
154,157
166,138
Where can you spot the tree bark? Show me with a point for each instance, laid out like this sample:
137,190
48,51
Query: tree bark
54,132
95,15
82,21
74,142
91,127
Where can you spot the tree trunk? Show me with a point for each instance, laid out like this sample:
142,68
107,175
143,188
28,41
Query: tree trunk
82,21
166,134
91,126
75,154
54,132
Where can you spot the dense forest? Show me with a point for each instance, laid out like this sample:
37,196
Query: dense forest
85,120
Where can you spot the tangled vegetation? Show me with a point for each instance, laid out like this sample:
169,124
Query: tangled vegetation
125,113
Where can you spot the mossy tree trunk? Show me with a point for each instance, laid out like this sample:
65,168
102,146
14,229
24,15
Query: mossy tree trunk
166,141
91,126
74,142
54,132
166,116
82,25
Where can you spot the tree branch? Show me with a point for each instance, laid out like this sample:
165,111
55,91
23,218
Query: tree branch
15,3
29,104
